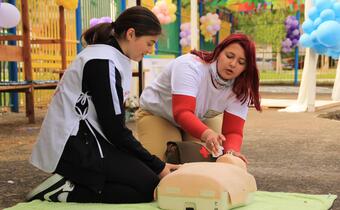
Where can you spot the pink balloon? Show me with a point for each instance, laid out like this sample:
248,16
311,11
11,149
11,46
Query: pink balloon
183,42
187,26
210,28
183,34
161,18
167,19
162,7
216,27
156,10
9,15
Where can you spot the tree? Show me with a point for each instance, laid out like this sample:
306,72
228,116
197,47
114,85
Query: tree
265,27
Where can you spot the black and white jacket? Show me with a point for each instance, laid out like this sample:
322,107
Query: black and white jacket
109,73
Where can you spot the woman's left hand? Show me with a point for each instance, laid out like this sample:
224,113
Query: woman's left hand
239,155
212,140
168,169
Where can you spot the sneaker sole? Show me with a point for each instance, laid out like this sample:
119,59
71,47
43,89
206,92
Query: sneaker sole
55,178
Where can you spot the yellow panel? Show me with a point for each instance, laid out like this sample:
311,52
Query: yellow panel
10,53
185,12
148,3
46,65
46,58
225,30
50,57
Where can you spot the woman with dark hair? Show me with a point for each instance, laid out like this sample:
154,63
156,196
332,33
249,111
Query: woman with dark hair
83,140
184,99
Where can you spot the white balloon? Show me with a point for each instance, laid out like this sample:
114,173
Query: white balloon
9,15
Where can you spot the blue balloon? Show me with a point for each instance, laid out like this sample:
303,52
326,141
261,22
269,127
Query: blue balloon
327,14
317,22
314,38
323,4
319,49
308,26
305,40
336,9
313,13
328,33
333,54
336,48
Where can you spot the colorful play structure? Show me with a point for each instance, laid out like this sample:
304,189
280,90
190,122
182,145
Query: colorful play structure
39,38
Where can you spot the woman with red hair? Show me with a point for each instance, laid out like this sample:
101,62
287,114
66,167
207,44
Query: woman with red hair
188,98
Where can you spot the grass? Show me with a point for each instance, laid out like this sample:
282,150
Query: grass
288,75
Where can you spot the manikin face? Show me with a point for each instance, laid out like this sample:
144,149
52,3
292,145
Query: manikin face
231,62
137,47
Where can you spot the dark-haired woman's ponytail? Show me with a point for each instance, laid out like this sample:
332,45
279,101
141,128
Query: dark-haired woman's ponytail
141,19
113,25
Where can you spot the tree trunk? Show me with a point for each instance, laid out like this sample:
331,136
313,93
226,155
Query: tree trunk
324,62
278,62
336,87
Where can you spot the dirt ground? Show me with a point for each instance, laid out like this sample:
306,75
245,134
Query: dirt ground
288,152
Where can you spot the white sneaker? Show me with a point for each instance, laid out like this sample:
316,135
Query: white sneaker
55,188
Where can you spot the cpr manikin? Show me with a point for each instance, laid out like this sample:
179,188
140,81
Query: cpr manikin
219,185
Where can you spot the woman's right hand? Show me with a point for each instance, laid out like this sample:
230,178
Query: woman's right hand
168,169
212,140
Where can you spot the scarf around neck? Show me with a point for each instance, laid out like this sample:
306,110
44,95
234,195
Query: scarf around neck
219,82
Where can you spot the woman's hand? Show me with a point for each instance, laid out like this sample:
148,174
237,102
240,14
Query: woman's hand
212,140
239,155
168,169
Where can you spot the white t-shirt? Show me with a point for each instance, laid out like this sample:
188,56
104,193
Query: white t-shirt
188,75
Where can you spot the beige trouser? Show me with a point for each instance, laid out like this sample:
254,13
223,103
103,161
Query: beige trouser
154,132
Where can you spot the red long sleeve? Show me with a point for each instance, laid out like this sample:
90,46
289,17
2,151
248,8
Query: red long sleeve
232,129
183,110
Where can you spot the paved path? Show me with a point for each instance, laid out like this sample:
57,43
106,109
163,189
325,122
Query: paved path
288,152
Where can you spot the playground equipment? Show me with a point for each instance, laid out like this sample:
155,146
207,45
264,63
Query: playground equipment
41,49
23,54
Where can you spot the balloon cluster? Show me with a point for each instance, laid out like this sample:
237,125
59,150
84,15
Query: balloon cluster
9,15
165,11
95,21
68,4
210,25
322,28
293,34
185,35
